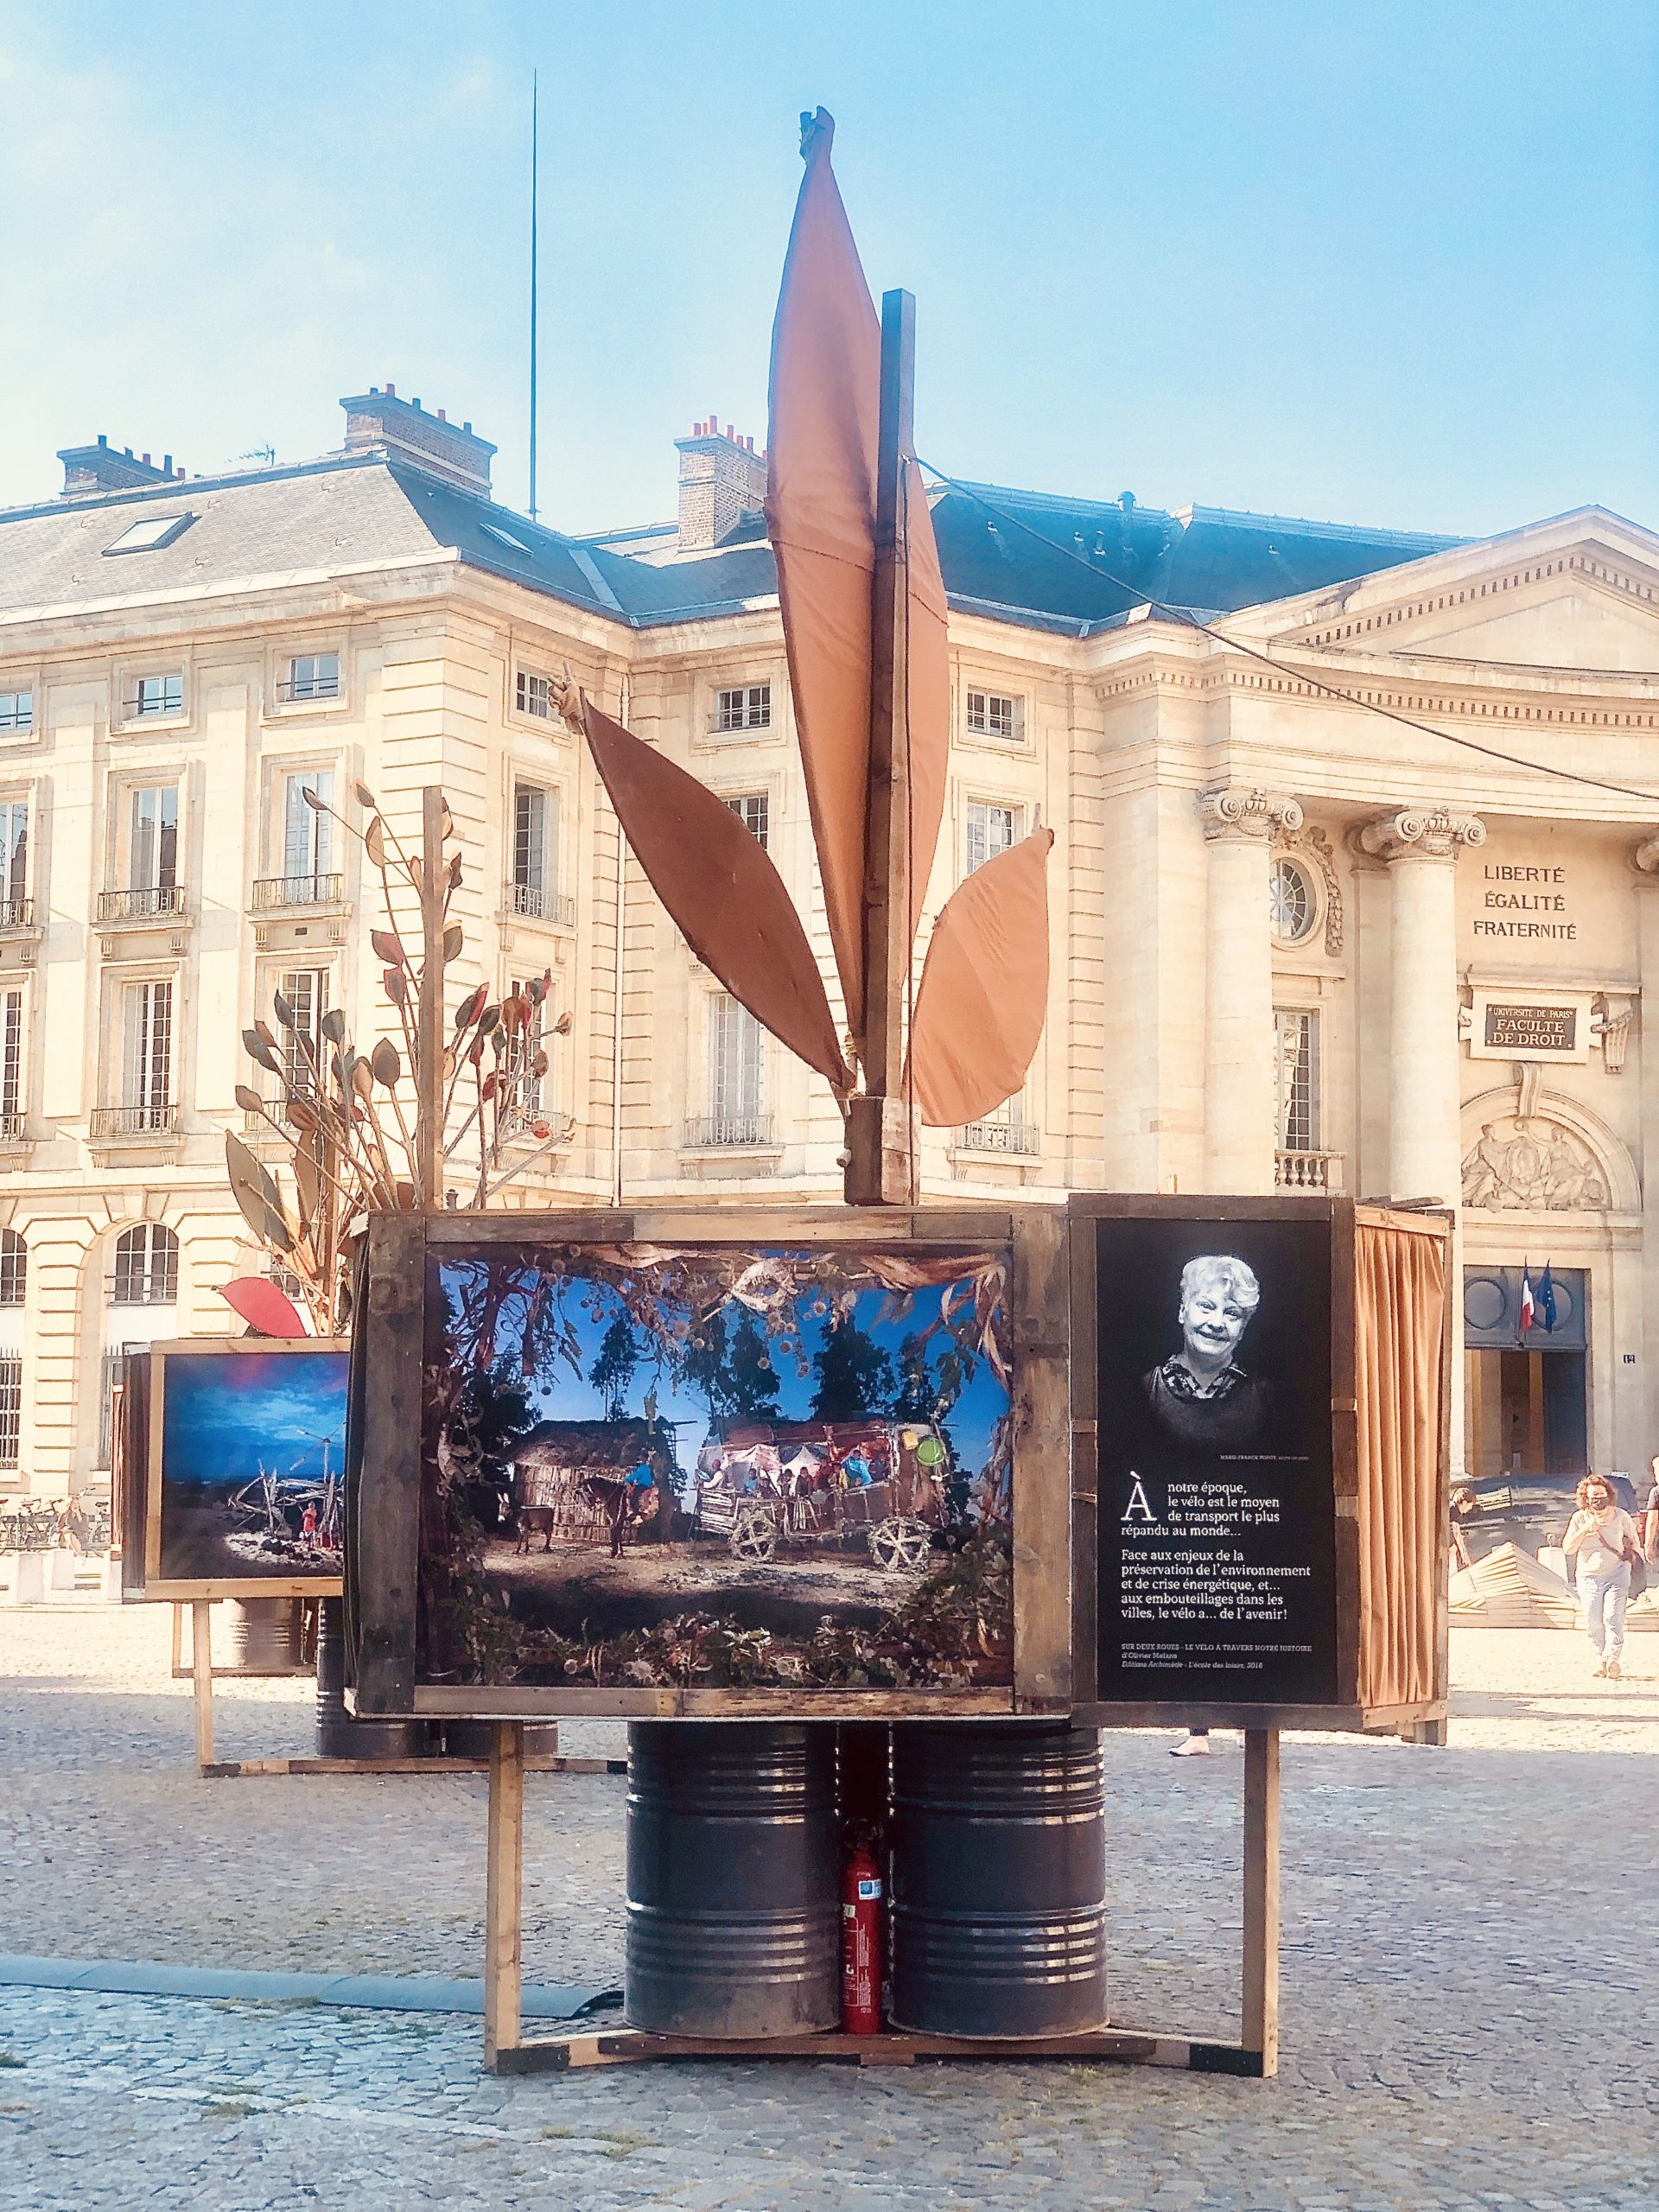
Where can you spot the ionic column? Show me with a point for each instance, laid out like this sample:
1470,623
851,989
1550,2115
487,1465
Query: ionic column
1238,1054
1421,846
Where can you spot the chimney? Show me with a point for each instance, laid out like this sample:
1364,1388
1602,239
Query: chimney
723,479
427,441
102,469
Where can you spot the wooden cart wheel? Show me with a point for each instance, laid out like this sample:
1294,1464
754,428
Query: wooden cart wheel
755,1535
899,1545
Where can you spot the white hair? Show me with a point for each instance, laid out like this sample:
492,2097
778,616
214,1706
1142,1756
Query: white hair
1237,1280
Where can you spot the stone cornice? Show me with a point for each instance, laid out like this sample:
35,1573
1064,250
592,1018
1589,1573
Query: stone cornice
1236,811
1427,833
1486,591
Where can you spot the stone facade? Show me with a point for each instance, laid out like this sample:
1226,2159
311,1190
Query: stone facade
1285,925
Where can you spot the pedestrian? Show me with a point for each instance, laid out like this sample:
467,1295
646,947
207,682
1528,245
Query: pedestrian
1601,1537
1195,1745
1466,1510
1650,1518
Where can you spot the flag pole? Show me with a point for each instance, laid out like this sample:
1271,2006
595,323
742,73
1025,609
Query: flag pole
880,1151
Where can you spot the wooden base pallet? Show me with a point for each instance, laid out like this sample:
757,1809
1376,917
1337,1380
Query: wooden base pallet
1255,2055
242,1769
634,2046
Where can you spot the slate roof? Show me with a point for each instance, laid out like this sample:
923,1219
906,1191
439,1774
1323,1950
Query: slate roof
1052,563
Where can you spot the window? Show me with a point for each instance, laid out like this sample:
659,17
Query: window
1297,1038
14,1268
737,1070
1291,907
16,710
307,831
991,831
157,694
311,676
114,1371
150,535
753,810
14,863
146,1266
994,714
11,1065
11,1410
535,843
535,695
748,707
306,990
153,850
147,1054
1005,1128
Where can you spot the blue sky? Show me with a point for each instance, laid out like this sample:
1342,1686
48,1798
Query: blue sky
228,1413
570,1396
1389,263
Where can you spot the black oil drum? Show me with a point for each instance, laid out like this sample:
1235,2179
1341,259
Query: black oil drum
733,1896
470,1739
999,1879
338,1735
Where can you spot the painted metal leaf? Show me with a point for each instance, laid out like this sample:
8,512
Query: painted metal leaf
471,1005
266,1309
362,1078
258,1049
723,890
388,947
396,985
313,799
561,1026
374,838
332,1024
249,1100
488,1019
263,1029
281,1009
387,1065
256,1194
302,1115
308,1181
365,796
454,938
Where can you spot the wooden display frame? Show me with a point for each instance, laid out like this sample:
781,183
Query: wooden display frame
147,1482
1349,1712
383,1545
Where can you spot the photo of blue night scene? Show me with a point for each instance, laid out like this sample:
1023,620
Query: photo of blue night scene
715,1466
253,1455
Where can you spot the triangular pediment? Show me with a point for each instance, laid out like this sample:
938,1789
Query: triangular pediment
1579,592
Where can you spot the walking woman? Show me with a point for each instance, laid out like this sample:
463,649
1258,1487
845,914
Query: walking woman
1602,1537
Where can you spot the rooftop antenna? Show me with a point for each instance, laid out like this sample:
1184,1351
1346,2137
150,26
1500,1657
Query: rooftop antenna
534,134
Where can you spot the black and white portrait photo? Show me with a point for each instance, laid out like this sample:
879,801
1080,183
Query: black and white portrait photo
1203,1395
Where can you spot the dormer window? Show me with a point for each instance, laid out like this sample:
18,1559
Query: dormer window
996,715
151,534
748,706
534,695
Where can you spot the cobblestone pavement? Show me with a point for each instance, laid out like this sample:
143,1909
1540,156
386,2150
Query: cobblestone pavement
1464,2023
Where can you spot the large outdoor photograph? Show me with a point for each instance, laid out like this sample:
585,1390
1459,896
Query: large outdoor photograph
252,1453
713,1467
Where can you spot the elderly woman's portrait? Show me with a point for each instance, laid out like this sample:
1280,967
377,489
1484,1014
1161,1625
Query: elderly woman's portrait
1202,1395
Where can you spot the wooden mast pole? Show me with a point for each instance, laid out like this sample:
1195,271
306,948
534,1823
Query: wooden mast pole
880,1168
428,1076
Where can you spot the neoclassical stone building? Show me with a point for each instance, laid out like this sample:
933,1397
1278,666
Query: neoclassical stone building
1297,941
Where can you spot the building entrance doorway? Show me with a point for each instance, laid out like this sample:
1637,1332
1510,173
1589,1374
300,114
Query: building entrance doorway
1527,1395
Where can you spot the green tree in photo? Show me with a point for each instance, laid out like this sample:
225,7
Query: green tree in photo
854,1376
614,1365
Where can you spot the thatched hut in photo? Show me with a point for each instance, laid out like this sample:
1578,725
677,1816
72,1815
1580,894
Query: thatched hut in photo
572,1467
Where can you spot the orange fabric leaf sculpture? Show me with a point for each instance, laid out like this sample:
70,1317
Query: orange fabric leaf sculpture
722,890
984,990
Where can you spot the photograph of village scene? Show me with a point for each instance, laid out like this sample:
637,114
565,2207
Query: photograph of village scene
713,1467
253,1449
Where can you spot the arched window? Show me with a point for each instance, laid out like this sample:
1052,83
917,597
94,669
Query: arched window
14,1268
146,1266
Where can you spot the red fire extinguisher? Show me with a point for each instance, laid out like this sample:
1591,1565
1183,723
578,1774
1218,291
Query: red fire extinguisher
861,1943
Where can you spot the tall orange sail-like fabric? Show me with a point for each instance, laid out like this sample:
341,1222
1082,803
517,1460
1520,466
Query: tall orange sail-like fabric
929,695
821,453
984,991
722,890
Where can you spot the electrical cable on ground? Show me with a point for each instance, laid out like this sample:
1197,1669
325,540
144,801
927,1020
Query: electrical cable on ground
1186,619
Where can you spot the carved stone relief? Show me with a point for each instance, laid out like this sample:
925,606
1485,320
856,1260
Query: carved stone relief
1311,845
1525,1161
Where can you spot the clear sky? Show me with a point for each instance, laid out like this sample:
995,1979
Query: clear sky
1395,262
230,1416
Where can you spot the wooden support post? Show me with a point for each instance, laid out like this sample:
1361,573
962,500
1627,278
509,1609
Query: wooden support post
880,1168
503,1891
1260,2036
201,1676
429,1075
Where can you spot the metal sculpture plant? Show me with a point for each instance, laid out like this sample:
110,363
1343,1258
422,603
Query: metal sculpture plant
379,1131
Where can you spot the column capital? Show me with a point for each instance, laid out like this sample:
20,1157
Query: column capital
1426,833
1645,858
1234,811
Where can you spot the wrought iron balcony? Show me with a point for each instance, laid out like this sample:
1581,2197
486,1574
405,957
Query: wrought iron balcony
136,1286
16,913
998,1136
133,1121
271,891
741,1131
1307,1170
11,1127
152,902
299,691
539,906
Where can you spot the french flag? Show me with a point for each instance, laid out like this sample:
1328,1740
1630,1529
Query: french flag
1529,1306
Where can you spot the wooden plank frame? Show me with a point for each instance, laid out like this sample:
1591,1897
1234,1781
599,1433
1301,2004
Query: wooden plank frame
187,1591
383,1497
1348,1713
